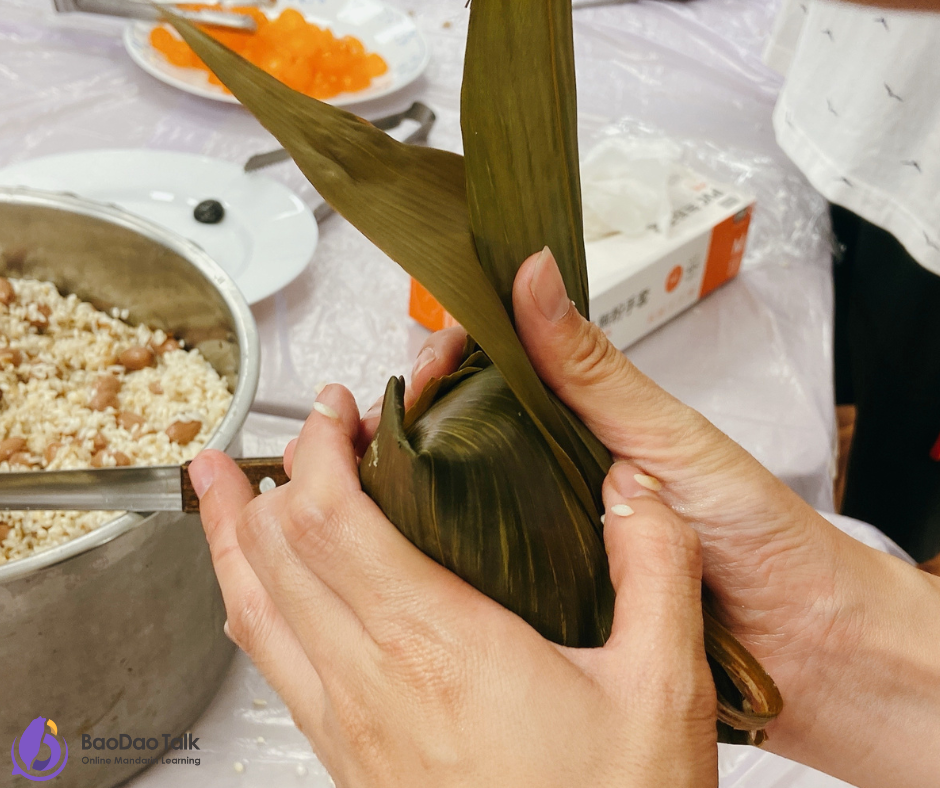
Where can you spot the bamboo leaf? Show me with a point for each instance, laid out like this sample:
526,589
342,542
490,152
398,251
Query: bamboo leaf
472,484
519,121
411,202
751,683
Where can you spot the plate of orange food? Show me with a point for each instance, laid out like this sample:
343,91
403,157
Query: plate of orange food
340,51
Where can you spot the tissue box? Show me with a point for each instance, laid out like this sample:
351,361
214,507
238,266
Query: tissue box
639,282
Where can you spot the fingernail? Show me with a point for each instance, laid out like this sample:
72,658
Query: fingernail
548,288
621,510
228,632
626,481
649,482
201,475
319,388
374,412
326,410
425,357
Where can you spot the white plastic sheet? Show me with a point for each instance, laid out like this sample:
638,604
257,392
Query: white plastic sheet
625,184
754,357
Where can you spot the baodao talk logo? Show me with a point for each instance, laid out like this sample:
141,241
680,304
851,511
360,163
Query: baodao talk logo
39,753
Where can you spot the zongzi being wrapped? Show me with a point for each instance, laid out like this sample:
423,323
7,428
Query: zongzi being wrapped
488,473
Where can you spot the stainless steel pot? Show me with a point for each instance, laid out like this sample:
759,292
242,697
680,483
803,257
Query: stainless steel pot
120,631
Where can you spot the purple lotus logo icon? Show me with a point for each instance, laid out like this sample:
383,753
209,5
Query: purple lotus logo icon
39,753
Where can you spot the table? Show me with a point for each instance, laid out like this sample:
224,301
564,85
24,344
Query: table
754,357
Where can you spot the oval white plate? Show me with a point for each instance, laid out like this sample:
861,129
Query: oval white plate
382,29
264,241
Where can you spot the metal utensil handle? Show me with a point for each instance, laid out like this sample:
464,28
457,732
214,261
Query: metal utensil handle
576,4
419,112
264,474
137,489
132,9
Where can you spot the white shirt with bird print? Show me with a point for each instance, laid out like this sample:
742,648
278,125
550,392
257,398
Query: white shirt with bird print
859,112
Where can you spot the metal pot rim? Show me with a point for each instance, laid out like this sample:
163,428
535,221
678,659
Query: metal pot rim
248,347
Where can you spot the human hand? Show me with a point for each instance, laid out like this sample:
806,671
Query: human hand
812,604
401,674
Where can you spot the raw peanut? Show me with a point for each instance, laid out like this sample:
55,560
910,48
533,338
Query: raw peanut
11,446
136,357
99,442
155,387
182,432
166,346
102,400
100,460
7,293
51,451
21,458
11,356
104,394
108,383
42,319
130,421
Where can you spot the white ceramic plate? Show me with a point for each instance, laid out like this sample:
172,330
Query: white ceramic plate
266,238
382,29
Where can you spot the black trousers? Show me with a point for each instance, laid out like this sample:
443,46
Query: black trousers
887,362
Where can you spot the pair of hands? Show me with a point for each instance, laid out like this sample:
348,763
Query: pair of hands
399,673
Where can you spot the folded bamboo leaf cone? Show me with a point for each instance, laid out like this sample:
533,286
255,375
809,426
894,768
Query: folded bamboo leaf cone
488,473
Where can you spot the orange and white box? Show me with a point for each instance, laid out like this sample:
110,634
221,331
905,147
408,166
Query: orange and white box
639,282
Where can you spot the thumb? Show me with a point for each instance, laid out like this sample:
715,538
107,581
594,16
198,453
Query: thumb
655,656
656,570
632,415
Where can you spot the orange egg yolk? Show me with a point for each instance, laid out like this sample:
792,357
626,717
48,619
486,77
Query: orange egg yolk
305,57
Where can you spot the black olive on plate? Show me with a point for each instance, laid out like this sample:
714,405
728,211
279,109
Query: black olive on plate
209,212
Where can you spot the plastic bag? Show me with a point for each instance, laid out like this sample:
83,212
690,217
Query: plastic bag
625,185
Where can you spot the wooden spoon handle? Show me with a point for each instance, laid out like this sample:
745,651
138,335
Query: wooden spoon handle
264,473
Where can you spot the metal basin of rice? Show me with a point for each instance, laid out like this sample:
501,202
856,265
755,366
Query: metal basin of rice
119,631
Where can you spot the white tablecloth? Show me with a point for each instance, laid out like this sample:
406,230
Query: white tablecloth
754,357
